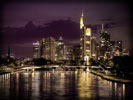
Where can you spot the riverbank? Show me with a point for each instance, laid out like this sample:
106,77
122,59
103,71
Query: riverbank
111,77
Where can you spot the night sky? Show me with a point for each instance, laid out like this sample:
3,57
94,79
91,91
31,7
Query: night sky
25,23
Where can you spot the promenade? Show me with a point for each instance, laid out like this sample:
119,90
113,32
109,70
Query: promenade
111,77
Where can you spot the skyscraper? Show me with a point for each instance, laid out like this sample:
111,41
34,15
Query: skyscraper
85,42
36,49
48,48
112,49
104,42
119,46
68,53
76,52
93,47
59,49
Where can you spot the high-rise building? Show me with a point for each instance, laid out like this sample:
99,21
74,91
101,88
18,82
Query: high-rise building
104,43
125,52
85,42
68,53
93,47
76,54
59,49
112,49
119,46
116,48
97,51
36,49
48,48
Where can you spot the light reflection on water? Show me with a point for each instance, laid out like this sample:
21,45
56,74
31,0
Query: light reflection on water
61,85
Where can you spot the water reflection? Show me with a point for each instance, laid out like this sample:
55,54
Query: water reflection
61,85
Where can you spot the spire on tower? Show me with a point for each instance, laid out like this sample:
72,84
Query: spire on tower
82,13
81,21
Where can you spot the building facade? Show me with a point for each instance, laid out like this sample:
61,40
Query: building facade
59,49
36,50
85,42
119,47
48,48
68,53
76,54
93,47
104,43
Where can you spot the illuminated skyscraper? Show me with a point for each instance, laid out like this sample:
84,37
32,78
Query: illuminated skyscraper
68,53
48,48
85,42
104,42
59,49
112,49
81,22
93,47
119,46
36,49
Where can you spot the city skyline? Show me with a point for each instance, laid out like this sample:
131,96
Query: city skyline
66,50
45,16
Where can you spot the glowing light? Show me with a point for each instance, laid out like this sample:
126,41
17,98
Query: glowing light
123,90
115,86
84,81
87,50
60,43
87,70
81,22
81,25
37,43
94,55
87,42
86,58
88,31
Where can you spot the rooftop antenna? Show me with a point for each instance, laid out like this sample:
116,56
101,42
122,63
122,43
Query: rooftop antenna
82,13
102,27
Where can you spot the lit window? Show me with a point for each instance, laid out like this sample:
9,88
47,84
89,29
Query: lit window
87,42
87,50
88,31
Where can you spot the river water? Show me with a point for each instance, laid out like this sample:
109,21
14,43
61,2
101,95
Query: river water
61,85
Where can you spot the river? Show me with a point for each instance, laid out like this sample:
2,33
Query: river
61,85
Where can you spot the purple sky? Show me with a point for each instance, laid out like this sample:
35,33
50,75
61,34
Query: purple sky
50,15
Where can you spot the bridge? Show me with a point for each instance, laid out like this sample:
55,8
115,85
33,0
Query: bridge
50,67
32,68
29,68
100,65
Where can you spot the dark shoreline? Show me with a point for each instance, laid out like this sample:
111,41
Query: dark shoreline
111,78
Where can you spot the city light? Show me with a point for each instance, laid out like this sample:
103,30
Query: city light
88,31
77,57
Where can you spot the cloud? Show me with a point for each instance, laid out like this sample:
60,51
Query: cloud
66,28
25,45
110,25
106,19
